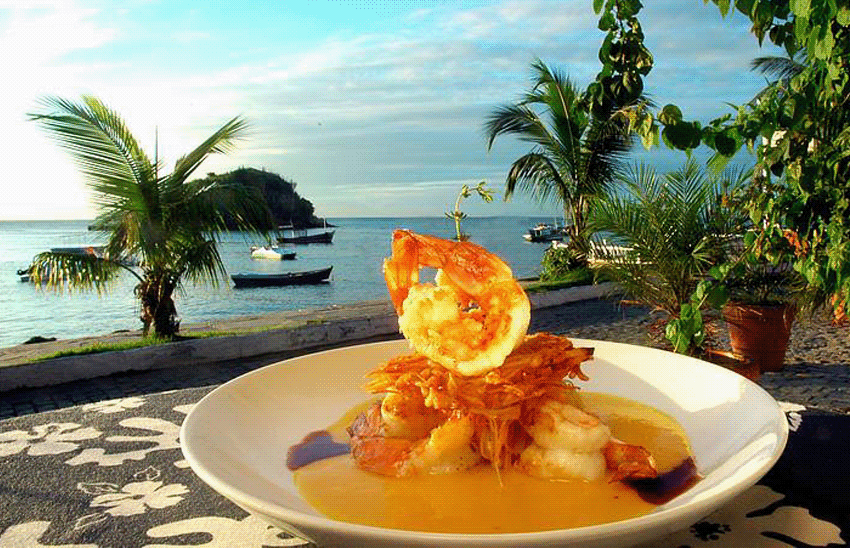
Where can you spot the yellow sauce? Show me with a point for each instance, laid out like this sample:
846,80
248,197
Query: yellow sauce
474,501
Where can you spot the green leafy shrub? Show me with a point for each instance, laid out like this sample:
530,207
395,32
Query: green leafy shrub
558,263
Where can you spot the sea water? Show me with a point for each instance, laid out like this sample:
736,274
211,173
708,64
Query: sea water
356,254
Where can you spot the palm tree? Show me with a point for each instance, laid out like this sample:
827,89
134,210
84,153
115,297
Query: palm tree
673,228
575,156
165,222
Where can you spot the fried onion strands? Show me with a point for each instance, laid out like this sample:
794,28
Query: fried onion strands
537,371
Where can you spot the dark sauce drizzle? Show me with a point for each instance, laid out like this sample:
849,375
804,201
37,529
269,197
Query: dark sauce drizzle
315,446
669,485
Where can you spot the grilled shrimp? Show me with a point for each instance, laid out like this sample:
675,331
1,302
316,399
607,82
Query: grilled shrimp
471,317
571,443
447,448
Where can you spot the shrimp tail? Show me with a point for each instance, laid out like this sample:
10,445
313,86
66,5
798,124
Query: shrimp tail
385,456
370,447
628,461
368,424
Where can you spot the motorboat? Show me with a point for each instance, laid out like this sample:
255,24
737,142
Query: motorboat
271,253
319,276
302,237
545,232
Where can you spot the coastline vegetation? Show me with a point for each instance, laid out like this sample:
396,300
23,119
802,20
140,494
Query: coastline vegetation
577,151
100,347
164,222
794,203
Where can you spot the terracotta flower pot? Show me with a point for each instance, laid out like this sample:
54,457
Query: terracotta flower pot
760,333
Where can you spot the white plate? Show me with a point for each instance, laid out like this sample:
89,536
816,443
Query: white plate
236,439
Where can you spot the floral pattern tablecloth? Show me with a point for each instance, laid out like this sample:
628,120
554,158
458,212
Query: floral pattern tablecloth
111,475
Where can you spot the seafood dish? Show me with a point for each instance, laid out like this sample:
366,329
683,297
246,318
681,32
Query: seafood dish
484,427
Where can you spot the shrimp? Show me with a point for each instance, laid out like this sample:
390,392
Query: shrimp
406,416
446,449
571,443
471,318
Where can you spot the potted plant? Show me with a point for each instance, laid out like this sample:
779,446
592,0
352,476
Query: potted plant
760,309
758,293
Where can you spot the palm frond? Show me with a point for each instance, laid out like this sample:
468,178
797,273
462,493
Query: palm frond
554,89
209,206
201,261
519,121
780,68
219,142
72,271
667,223
102,145
534,173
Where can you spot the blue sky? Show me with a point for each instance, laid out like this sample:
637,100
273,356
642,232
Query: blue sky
373,108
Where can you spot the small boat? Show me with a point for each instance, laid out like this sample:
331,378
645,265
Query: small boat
271,253
544,232
602,251
285,278
302,237
98,251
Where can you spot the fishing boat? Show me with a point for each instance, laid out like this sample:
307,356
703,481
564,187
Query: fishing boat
302,237
96,250
545,232
271,253
286,278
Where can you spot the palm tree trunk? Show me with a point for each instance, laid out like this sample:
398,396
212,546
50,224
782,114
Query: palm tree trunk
158,309
578,230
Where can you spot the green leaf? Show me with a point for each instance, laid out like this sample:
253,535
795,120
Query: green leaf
686,331
597,6
745,6
683,135
670,114
723,5
607,21
650,138
724,144
824,45
801,29
843,16
718,296
800,7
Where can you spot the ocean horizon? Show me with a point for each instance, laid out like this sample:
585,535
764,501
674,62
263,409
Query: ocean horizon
356,254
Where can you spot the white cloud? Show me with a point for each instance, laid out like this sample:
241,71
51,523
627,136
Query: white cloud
399,111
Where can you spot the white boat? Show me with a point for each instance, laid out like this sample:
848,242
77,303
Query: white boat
271,253
544,232
602,251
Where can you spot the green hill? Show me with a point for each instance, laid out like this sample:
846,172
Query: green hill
285,205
